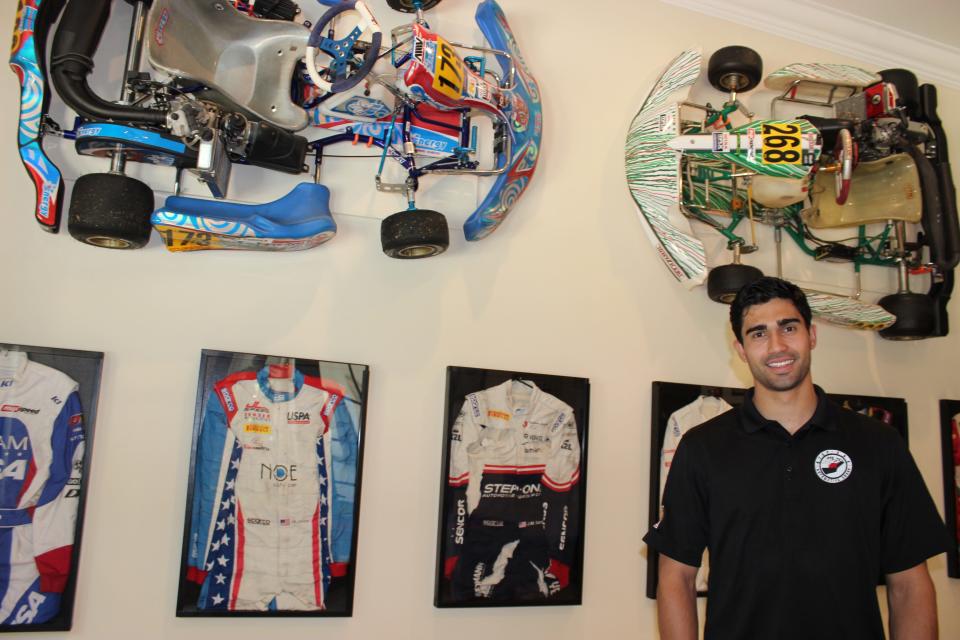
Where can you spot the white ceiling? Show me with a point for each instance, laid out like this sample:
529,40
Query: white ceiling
920,35
934,19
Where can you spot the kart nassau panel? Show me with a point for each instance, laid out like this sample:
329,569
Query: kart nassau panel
27,62
749,147
524,124
653,171
881,190
848,312
299,220
102,139
838,75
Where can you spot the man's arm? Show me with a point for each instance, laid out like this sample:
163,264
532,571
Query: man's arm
677,600
913,604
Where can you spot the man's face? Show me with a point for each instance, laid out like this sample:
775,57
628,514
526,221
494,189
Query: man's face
776,345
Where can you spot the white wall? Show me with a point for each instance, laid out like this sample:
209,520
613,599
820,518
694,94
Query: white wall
568,285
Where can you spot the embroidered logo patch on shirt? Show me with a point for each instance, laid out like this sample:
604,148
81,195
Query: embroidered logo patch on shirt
833,466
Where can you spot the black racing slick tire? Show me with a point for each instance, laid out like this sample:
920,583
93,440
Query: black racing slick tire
110,210
916,316
409,6
725,281
420,233
908,89
735,68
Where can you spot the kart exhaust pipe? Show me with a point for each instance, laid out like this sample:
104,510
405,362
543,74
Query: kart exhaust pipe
71,62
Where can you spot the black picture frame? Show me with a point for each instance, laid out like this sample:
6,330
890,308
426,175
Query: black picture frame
668,397
348,380
484,540
85,368
950,446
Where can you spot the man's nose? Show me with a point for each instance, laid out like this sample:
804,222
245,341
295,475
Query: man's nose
775,343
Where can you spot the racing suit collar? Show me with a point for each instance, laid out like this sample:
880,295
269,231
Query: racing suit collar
263,379
519,397
12,364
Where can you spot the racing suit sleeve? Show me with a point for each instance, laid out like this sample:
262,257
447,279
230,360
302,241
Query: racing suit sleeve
343,440
671,439
214,434
55,513
466,430
561,494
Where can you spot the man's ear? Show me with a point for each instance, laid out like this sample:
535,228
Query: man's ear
739,349
813,335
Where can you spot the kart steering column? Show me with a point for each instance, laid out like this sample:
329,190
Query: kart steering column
71,61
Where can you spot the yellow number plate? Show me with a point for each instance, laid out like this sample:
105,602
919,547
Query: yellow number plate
448,74
178,239
782,143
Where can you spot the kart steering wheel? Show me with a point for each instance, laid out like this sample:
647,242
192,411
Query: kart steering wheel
341,51
846,154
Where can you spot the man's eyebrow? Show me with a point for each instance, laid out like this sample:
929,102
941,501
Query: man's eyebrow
780,323
756,327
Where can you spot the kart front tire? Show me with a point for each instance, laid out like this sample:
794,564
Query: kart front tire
735,68
110,210
725,281
916,316
908,89
407,6
409,235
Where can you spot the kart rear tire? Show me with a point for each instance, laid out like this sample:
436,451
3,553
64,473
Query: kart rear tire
916,316
406,6
735,68
110,210
409,235
908,88
725,281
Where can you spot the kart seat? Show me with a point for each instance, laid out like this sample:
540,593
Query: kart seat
295,215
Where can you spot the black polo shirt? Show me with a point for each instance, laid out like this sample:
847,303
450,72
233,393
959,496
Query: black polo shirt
800,528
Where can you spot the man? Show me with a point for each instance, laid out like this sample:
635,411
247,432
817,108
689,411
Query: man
803,505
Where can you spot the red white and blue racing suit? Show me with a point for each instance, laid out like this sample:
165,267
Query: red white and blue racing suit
514,471
41,459
273,494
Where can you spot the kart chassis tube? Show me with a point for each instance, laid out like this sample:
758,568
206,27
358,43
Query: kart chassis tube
71,62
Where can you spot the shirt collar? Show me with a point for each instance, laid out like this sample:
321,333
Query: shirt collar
824,417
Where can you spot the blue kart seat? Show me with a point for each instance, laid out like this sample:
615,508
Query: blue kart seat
303,212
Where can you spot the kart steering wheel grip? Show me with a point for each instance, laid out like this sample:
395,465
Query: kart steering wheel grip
340,50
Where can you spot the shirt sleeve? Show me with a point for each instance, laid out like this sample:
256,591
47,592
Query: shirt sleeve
912,529
211,444
681,533
55,514
344,454
466,430
561,492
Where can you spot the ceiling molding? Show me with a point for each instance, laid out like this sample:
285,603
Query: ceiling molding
880,46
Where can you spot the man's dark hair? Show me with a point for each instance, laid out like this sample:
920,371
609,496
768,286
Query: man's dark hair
764,290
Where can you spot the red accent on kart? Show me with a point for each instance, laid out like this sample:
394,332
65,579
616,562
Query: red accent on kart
52,207
919,271
476,93
880,99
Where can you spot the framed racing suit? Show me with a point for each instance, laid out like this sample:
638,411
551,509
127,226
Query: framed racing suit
44,439
511,529
274,490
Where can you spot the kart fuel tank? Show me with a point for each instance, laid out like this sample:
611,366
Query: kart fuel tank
881,190
249,60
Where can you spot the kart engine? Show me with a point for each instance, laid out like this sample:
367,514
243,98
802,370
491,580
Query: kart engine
222,97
